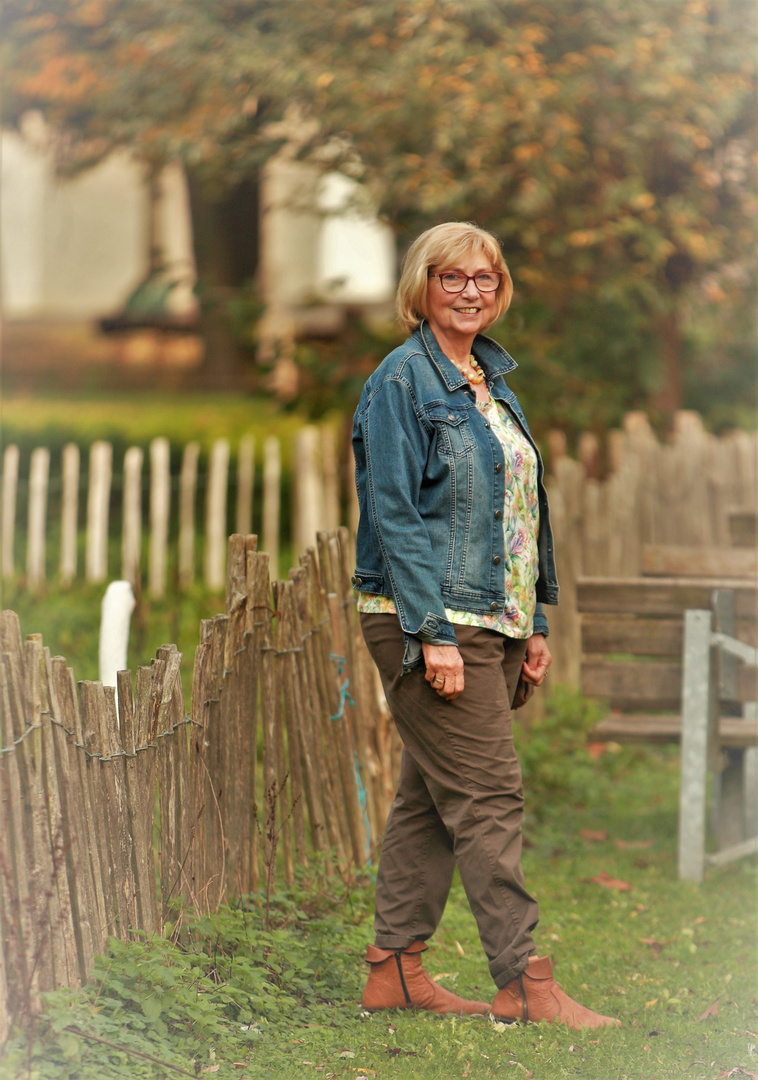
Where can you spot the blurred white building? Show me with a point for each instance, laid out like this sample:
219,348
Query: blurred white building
76,248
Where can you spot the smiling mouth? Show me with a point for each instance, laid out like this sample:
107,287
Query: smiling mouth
467,310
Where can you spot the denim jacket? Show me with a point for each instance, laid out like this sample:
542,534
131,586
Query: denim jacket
430,475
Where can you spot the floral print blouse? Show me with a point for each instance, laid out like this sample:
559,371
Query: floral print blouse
520,528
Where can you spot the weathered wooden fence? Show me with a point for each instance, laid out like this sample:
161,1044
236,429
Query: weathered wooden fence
677,493
174,527
697,491
88,772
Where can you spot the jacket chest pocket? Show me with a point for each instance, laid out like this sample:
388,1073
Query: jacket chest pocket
454,434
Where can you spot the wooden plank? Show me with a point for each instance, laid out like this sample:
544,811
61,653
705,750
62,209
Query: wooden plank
60,839
675,560
257,634
664,597
697,715
131,532
634,685
160,505
199,710
187,496
638,728
98,504
272,482
10,489
245,485
39,476
216,530
743,528
141,791
15,885
90,890
69,512
635,635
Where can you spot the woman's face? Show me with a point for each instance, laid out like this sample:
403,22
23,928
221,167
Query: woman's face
464,314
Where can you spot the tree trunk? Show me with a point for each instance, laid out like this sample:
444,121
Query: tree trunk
225,242
668,397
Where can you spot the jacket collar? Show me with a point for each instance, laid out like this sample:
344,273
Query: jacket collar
492,357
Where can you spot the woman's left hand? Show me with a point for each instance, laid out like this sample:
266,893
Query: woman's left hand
538,660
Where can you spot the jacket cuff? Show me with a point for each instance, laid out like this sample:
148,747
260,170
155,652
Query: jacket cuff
539,625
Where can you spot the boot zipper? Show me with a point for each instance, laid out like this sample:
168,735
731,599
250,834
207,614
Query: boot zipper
399,963
524,1003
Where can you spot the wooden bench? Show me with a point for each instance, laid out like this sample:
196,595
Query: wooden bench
633,650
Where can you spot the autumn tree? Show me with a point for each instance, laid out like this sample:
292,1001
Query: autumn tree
610,144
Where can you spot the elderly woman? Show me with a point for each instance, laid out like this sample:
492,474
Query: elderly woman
454,560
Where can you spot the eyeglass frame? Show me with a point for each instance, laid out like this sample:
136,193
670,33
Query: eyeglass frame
469,277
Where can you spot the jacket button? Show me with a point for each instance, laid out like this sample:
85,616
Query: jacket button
358,581
494,605
352,579
496,560
450,416
488,426
498,515
499,467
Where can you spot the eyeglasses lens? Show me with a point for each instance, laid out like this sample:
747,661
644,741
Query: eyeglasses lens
455,283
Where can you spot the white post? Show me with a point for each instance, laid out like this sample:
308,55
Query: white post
39,476
697,693
115,617
245,485
272,476
98,499
69,512
215,515
10,488
160,505
131,535
308,490
187,496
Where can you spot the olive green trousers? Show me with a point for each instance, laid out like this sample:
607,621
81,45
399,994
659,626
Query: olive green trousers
459,799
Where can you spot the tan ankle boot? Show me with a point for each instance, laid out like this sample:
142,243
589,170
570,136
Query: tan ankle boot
533,995
397,981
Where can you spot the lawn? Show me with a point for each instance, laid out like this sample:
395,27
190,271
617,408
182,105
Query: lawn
229,997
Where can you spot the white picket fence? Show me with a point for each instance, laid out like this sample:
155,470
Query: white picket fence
321,498
678,492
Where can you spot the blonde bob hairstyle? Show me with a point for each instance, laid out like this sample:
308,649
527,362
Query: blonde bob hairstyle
444,246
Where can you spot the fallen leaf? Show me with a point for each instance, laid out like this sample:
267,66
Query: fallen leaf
628,845
596,749
594,834
212,1068
713,1010
347,1054
701,919
652,944
609,882
649,1004
459,947
445,975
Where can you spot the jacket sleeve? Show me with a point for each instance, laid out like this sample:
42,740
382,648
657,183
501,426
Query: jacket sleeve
396,444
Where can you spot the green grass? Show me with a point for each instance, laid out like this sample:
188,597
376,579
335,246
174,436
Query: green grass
284,1002
137,417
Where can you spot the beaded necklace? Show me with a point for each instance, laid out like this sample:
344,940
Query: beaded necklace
475,375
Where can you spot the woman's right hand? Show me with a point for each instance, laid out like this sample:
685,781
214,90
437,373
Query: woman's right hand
444,669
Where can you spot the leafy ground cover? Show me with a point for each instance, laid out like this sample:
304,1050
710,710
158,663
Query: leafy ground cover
229,996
